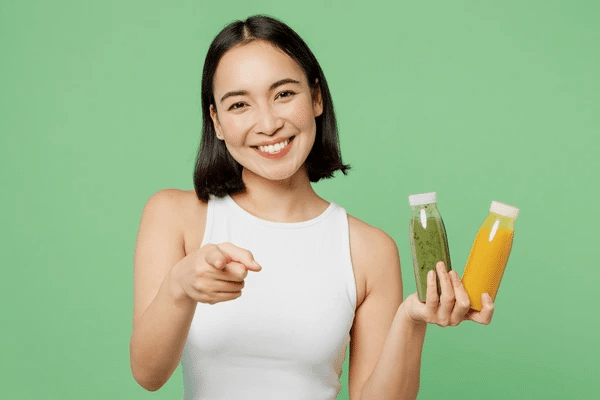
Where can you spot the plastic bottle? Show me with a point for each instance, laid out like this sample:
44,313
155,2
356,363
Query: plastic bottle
428,240
489,253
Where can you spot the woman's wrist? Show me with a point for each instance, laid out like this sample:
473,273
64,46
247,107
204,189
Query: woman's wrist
174,290
408,320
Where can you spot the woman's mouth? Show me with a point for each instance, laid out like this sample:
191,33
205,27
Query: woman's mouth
277,150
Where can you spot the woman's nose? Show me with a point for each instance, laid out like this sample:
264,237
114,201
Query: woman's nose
267,121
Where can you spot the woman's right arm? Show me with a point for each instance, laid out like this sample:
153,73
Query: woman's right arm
162,311
168,284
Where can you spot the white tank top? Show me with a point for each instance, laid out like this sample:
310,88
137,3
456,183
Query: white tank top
286,336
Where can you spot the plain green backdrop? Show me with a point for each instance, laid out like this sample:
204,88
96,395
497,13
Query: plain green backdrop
478,101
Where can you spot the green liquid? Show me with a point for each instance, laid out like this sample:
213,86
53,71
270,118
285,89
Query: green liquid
428,246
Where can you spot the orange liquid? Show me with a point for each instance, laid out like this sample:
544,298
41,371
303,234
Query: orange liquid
486,263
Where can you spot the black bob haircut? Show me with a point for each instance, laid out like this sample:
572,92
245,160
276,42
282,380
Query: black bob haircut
217,172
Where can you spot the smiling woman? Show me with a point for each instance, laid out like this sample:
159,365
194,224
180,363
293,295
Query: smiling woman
323,280
282,43
265,100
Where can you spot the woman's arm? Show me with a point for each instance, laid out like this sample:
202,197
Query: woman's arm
387,365
169,284
385,347
398,370
162,313
396,375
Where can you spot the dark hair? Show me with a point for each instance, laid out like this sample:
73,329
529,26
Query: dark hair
217,172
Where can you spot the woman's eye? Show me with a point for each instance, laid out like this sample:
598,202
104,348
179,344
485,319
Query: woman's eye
287,93
236,106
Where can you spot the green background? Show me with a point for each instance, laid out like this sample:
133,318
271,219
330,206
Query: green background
479,101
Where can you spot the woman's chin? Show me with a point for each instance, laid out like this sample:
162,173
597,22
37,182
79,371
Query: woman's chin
279,175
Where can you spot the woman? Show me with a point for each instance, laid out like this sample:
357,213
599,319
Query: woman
314,279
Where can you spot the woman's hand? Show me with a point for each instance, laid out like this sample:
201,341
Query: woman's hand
452,307
212,274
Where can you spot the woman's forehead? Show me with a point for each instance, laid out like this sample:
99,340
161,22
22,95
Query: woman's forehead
254,65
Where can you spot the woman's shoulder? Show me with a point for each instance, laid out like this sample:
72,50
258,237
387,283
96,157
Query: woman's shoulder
176,201
368,236
174,194
374,256
184,210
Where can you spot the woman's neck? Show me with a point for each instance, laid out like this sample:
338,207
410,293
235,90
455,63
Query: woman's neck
288,200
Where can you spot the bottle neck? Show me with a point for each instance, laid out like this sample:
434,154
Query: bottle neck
501,222
430,209
424,213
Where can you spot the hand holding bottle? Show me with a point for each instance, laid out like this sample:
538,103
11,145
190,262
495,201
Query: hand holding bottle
213,273
451,307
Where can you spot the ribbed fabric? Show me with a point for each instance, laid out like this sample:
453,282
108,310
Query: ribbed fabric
286,336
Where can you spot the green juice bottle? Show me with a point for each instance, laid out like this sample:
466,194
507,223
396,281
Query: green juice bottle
428,240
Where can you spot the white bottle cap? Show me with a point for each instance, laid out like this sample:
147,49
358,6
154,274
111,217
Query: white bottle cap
504,209
422,198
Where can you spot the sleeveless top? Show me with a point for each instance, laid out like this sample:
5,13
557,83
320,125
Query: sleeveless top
286,336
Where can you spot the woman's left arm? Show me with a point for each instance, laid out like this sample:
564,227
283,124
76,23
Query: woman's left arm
385,347
388,366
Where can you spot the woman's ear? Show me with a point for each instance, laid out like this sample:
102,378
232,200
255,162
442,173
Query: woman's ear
317,99
216,124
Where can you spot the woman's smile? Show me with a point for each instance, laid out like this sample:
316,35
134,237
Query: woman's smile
276,150
264,103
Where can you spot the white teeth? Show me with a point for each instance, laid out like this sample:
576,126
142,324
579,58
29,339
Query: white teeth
276,148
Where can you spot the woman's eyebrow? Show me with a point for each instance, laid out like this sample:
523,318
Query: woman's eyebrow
282,82
273,86
235,93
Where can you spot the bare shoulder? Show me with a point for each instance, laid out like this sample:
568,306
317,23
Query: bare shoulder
184,210
182,204
163,217
174,200
367,236
374,256
379,293
162,240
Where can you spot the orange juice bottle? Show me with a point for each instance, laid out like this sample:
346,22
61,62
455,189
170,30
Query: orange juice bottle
489,253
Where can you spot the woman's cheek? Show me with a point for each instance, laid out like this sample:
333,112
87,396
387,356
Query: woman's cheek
234,129
301,116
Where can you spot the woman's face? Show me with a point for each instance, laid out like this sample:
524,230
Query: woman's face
265,110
